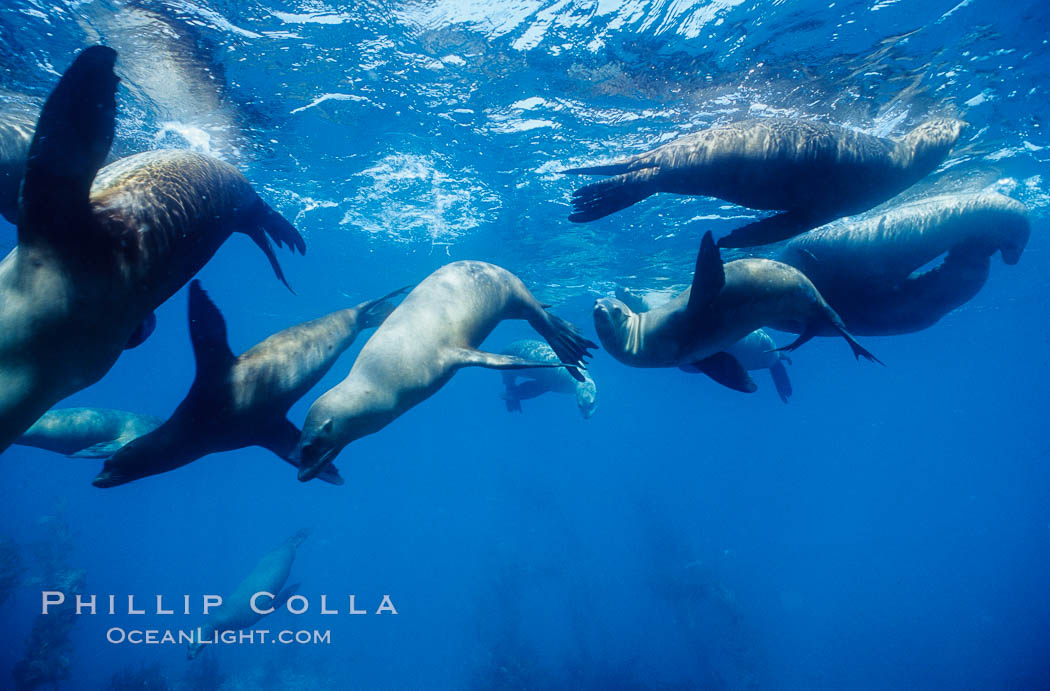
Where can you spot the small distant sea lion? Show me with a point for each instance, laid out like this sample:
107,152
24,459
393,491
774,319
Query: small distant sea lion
431,335
871,269
87,432
755,351
812,172
242,401
99,250
539,381
758,350
268,576
724,304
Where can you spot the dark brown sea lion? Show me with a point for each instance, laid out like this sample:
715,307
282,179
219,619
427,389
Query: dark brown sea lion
812,172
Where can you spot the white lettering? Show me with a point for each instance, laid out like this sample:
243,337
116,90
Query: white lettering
48,597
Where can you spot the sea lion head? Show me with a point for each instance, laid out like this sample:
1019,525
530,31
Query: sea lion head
929,143
352,410
587,398
613,321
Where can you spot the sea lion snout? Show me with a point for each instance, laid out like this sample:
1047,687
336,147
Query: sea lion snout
316,450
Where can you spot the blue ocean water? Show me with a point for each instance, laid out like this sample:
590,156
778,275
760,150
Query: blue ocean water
888,528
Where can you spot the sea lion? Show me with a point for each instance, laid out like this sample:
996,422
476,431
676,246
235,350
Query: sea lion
97,253
870,270
724,304
87,432
811,172
431,335
242,401
755,351
540,381
236,611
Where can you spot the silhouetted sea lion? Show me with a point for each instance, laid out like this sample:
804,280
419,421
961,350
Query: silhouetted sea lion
268,576
98,250
87,432
431,335
242,401
870,269
724,304
549,379
811,171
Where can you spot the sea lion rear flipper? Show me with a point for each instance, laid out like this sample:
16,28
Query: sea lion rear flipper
709,276
72,139
513,403
781,380
103,449
724,369
567,342
781,226
262,224
208,335
373,313
599,199
528,389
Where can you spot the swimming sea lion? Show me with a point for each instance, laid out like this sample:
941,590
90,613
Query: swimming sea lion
724,304
97,254
755,351
87,432
867,269
431,335
812,172
268,576
242,401
540,381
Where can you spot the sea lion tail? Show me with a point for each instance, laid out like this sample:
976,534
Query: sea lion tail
374,312
600,199
569,344
263,224
299,537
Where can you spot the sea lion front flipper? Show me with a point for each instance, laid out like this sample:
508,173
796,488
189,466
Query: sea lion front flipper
284,595
208,334
709,276
103,449
143,331
71,142
781,226
724,369
781,380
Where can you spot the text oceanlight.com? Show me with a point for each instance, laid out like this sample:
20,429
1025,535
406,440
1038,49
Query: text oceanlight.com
118,636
